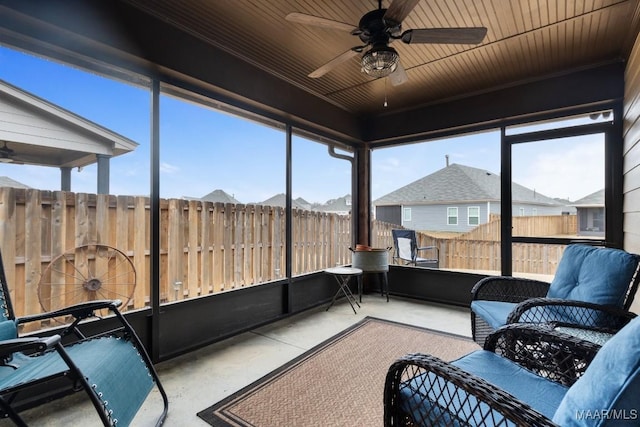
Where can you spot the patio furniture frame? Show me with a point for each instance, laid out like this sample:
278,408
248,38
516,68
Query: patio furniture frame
557,356
112,367
533,306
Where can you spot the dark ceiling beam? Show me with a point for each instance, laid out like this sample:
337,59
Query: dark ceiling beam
599,85
107,33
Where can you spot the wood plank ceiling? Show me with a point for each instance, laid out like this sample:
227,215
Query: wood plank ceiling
526,39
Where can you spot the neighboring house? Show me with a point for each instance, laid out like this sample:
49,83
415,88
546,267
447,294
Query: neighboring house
302,203
280,200
340,206
5,181
219,196
590,211
458,198
37,132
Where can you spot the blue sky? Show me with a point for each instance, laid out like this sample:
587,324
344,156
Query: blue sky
203,150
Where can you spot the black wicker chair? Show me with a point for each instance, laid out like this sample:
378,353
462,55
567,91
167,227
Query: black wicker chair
111,366
525,376
593,288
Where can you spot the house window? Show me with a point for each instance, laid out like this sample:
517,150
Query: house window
534,212
452,216
598,219
473,215
406,214
521,211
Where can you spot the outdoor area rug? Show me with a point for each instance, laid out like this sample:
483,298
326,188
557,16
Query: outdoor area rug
339,382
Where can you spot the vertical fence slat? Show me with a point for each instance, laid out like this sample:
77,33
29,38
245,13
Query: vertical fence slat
193,248
206,221
247,244
218,247
33,252
174,250
141,218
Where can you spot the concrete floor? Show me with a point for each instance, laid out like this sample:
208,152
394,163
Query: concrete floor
199,379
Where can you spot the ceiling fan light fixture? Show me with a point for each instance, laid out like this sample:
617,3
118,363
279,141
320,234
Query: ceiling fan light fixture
380,61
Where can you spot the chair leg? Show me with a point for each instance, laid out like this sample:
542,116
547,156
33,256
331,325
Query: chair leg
13,415
384,287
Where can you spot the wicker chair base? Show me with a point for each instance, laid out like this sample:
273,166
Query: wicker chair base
480,329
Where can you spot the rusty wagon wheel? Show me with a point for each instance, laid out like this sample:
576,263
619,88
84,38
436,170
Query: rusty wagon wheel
87,273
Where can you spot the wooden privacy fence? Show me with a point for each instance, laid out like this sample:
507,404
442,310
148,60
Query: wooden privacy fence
205,247
474,251
539,226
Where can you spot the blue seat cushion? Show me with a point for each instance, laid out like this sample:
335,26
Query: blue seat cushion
607,393
8,330
540,393
427,404
596,275
493,312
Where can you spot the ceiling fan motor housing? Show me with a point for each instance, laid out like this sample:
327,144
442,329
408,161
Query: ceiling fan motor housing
381,60
373,28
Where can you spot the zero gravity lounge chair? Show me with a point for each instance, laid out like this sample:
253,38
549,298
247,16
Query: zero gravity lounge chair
592,289
112,368
408,252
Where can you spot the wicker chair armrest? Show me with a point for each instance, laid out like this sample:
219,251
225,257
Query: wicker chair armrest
561,312
553,354
508,289
27,345
78,311
489,401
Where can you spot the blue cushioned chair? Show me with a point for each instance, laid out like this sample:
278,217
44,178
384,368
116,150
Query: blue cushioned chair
514,382
592,288
112,367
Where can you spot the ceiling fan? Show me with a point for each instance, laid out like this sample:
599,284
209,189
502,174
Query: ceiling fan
9,155
6,154
380,27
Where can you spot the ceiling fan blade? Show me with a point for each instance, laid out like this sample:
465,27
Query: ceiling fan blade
319,22
333,63
399,9
399,76
471,35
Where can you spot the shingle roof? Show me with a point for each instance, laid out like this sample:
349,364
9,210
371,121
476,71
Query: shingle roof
280,200
336,205
459,183
593,199
5,181
219,196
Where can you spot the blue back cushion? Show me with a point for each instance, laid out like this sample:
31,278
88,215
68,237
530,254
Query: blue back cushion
596,275
608,392
495,313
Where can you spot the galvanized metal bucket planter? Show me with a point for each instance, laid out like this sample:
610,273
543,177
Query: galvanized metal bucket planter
371,260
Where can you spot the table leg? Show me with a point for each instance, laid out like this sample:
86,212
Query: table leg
343,282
